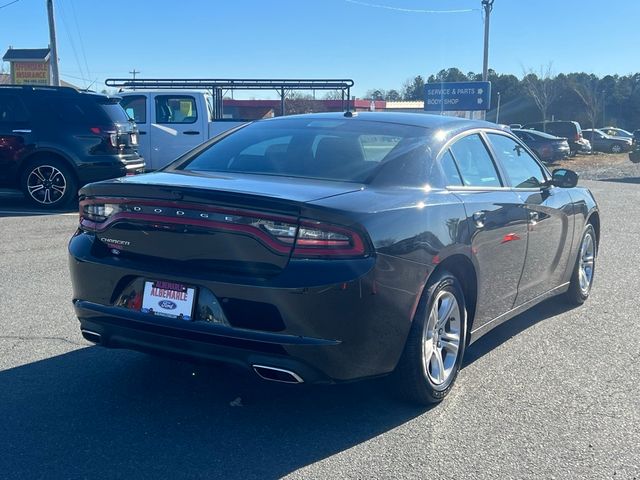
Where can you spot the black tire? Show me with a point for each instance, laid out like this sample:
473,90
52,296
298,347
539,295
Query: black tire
577,295
57,182
412,377
615,148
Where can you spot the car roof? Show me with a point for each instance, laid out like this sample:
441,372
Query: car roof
446,126
414,119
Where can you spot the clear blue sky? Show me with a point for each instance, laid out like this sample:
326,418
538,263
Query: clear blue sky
377,47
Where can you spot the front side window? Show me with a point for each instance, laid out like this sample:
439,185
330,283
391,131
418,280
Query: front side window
521,168
332,149
474,162
136,107
176,109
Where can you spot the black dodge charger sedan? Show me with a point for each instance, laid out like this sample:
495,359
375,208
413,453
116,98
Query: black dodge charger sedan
332,247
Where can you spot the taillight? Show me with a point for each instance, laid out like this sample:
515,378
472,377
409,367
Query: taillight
578,137
110,136
317,239
93,213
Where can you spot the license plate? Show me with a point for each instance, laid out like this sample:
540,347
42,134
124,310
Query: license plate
134,139
168,299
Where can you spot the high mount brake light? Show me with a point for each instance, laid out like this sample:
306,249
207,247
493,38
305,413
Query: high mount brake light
309,239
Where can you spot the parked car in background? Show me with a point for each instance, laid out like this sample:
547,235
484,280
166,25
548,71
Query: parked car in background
568,129
616,132
172,122
53,140
549,148
333,247
515,125
635,141
601,142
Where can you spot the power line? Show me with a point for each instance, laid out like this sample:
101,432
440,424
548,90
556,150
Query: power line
84,55
10,3
71,41
408,10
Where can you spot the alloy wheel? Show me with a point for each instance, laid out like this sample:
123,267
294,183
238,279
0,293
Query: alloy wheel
441,338
587,262
616,149
46,184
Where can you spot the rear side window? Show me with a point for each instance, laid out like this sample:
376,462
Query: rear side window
451,174
521,168
176,109
135,107
12,109
80,110
474,162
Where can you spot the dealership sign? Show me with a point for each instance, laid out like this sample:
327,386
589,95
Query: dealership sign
30,73
457,96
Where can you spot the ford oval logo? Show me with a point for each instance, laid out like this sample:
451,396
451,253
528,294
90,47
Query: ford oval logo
167,305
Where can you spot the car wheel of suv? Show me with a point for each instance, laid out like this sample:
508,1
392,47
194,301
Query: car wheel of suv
48,183
434,350
584,269
615,148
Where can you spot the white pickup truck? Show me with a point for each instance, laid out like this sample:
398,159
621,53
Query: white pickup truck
171,122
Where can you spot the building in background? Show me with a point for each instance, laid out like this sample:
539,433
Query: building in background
29,66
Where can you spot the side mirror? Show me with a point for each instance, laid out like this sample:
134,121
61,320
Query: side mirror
564,178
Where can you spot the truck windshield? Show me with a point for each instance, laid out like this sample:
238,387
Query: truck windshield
332,149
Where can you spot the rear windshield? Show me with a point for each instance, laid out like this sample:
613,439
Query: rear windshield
115,112
332,149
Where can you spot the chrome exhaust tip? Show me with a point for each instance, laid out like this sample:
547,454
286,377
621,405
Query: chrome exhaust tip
274,374
93,337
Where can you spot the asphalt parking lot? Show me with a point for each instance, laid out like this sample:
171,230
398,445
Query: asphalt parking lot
554,393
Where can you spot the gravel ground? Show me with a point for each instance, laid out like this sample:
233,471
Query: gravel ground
602,166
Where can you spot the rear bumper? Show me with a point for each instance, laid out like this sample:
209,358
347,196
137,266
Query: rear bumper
130,330
333,329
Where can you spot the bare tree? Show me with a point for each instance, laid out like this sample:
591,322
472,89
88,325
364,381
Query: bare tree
586,88
541,88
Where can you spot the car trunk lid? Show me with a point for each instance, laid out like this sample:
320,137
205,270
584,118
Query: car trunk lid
227,223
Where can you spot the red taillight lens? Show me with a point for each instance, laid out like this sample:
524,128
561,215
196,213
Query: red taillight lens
578,136
317,239
111,136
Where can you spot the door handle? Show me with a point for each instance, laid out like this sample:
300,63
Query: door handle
479,218
191,132
21,130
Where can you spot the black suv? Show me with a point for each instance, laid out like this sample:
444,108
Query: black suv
54,140
568,129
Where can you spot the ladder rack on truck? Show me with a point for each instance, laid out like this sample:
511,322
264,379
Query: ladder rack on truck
219,87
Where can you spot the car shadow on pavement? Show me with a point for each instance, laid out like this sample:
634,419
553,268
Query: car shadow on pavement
509,329
11,206
622,180
95,413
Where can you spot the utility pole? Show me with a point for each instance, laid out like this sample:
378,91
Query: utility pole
488,6
55,75
498,110
134,72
